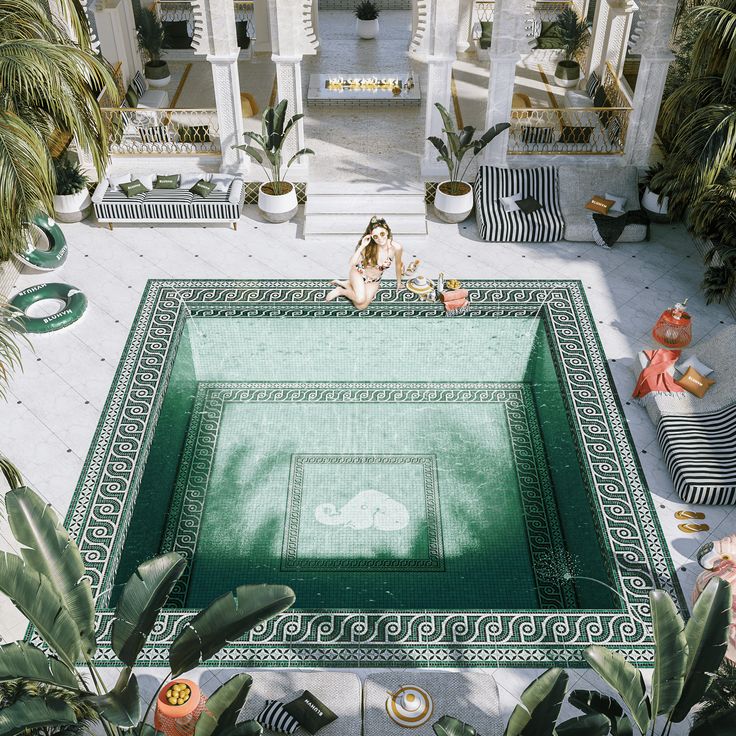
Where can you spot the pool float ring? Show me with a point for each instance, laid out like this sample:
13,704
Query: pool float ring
46,260
75,304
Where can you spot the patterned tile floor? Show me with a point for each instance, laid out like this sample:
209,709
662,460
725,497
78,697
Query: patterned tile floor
54,405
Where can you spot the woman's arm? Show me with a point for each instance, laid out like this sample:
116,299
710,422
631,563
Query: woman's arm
399,251
357,257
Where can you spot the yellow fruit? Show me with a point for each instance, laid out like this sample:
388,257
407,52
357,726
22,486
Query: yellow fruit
169,693
181,701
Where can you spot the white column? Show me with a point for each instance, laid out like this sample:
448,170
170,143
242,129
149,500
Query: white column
226,85
289,85
655,61
508,42
263,30
464,26
438,89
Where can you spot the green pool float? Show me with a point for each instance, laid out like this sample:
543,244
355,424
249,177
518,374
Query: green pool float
75,304
46,260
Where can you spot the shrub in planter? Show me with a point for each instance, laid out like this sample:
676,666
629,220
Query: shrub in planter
72,202
713,218
574,39
453,201
151,36
366,23
276,197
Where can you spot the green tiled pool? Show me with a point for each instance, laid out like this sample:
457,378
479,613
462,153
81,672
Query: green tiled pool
435,490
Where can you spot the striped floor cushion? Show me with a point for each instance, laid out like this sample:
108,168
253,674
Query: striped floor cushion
495,224
700,452
274,717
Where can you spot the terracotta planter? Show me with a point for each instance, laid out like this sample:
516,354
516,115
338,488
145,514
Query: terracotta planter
567,74
366,28
72,207
179,719
657,211
453,207
277,207
157,73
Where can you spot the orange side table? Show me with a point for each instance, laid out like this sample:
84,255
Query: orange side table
674,328
179,720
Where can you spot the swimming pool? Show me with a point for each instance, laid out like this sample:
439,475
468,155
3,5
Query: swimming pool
436,491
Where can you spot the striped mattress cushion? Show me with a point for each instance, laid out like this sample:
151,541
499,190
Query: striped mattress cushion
274,717
700,452
495,224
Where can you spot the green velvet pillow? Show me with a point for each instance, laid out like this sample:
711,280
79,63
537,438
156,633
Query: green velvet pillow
486,32
203,188
133,188
194,133
131,96
170,181
550,37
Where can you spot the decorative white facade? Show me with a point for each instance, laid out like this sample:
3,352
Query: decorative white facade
442,31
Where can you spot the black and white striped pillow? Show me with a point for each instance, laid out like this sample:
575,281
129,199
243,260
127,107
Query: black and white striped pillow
139,84
614,130
592,86
537,134
275,718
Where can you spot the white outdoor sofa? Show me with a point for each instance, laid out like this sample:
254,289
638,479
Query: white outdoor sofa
169,205
698,436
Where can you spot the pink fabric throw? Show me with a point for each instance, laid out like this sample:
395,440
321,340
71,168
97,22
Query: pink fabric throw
655,377
454,295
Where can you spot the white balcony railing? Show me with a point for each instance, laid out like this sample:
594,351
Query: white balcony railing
152,132
593,130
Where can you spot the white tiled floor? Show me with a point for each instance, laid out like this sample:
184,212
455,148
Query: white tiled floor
53,406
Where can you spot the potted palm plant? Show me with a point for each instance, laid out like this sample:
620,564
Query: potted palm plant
453,200
367,13
276,197
72,202
653,200
151,41
574,36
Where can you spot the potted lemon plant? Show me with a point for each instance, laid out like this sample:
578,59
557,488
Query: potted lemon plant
276,197
453,201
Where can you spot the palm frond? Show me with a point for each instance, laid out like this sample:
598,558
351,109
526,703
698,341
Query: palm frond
11,335
26,175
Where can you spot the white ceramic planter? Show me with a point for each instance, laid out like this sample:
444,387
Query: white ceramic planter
453,207
277,207
72,207
366,28
658,212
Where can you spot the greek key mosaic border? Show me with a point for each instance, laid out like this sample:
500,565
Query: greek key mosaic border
105,496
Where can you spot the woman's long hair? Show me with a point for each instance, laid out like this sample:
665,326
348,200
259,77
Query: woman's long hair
370,254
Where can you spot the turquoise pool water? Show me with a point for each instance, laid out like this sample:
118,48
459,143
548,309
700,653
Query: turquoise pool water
372,464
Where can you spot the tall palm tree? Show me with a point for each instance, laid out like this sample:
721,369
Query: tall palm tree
48,83
698,120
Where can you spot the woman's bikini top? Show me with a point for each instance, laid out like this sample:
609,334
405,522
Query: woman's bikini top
380,266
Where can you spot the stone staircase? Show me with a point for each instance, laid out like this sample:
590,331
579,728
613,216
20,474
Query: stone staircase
345,209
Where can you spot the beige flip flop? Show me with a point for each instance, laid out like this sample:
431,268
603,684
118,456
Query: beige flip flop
693,528
685,515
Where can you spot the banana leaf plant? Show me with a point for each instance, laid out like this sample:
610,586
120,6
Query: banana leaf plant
686,659
458,145
47,583
539,709
275,129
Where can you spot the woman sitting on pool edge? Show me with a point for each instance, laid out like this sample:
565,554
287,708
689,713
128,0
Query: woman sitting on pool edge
374,254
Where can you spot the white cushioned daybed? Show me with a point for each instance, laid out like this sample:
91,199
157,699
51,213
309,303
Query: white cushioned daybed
562,191
170,205
698,436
